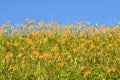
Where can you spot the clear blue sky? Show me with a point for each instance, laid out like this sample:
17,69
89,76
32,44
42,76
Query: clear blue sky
61,11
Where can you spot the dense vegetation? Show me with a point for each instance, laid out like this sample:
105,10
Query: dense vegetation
55,52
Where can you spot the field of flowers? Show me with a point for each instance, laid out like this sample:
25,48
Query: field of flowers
59,52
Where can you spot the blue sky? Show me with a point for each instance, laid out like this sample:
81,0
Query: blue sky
60,11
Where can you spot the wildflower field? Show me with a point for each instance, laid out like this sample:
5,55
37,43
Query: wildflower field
55,52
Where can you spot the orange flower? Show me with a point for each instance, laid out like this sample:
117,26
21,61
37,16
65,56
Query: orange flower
9,55
27,21
109,46
34,33
82,67
113,69
3,25
15,44
50,34
86,73
45,40
33,21
50,56
90,29
81,35
62,64
79,46
109,35
41,56
22,26
36,53
63,53
75,50
118,40
29,41
13,68
2,31
108,70
102,29
62,40
53,49
46,55
87,41
57,55
32,47
41,24
46,26
92,46
70,26
23,61
69,56
8,43
20,55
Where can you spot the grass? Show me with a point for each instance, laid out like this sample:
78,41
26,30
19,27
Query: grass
55,52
